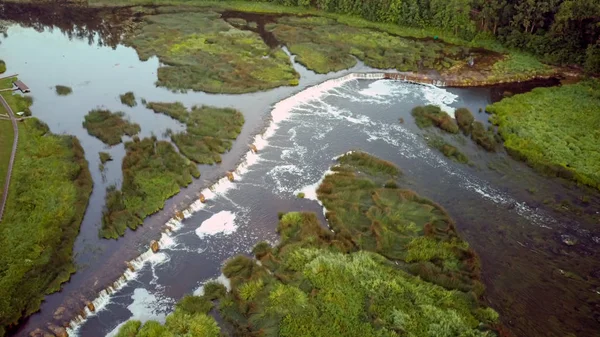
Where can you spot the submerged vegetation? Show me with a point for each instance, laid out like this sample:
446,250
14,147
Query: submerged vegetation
209,130
153,171
49,192
128,99
105,157
555,130
203,52
108,126
371,276
448,150
432,115
63,90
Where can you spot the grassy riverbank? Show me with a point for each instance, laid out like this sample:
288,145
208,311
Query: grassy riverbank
360,280
153,171
209,130
204,53
555,130
109,127
49,192
6,141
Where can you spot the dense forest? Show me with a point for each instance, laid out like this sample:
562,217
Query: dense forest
563,32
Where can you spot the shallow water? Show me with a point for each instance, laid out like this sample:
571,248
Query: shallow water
540,285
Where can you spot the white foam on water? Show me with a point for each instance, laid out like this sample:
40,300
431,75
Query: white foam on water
142,309
310,191
440,97
221,279
219,223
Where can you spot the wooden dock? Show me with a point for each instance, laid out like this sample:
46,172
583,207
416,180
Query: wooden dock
21,86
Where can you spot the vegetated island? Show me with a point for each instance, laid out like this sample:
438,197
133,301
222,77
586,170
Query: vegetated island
63,90
48,196
153,171
209,130
109,126
203,52
393,265
555,130
128,99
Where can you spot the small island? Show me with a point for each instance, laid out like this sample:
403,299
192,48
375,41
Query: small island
109,126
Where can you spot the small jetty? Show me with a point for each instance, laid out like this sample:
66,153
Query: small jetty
21,86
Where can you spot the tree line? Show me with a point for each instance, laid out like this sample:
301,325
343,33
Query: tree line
562,32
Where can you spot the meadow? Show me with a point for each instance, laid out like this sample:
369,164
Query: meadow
555,130
48,196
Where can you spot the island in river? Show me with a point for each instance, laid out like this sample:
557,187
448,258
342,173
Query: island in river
185,57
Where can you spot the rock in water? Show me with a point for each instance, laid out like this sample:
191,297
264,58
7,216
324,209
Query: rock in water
230,176
91,306
202,198
253,148
58,331
58,314
130,266
40,333
154,246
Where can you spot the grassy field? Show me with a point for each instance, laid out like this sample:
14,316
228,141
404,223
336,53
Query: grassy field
359,280
209,130
109,127
555,130
50,188
6,141
153,171
204,53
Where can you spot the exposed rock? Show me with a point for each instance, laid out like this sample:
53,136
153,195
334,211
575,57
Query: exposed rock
58,313
230,176
130,266
91,306
154,246
40,333
253,148
58,331
179,215
202,198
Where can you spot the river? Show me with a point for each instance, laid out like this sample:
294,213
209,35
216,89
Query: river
540,285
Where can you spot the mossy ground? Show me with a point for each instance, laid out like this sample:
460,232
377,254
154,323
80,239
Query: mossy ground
153,171
204,53
322,283
109,126
209,130
63,90
555,130
50,189
128,99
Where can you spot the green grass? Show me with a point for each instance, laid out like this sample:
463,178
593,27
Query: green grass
520,66
209,130
464,119
63,90
486,139
2,67
323,45
202,52
108,126
128,99
555,130
448,150
432,115
6,142
153,171
105,157
301,195
49,192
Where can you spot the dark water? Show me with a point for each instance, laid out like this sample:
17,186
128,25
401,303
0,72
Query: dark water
540,285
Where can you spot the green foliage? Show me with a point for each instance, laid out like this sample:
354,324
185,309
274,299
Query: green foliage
63,90
448,150
519,66
194,305
6,139
18,102
128,99
484,138
432,115
49,192
555,130
301,195
179,323
592,60
153,171
214,290
369,164
323,45
203,52
464,119
209,132
2,67
104,157
108,126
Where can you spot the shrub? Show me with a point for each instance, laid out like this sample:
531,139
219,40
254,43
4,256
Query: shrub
301,195
2,67
483,137
128,99
109,127
464,119
431,115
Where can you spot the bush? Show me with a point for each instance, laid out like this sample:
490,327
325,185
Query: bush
592,59
109,127
464,119
431,115
128,99
483,137
63,90
2,67
301,195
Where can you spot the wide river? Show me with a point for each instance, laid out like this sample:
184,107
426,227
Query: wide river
540,285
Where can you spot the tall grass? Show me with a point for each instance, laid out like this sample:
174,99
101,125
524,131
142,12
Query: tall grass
432,115
48,196
109,126
63,90
128,99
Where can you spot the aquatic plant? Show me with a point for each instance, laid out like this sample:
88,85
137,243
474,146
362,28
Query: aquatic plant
209,130
49,193
554,130
432,115
63,90
464,119
2,67
153,171
104,157
203,52
484,138
448,150
109,126
128,99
